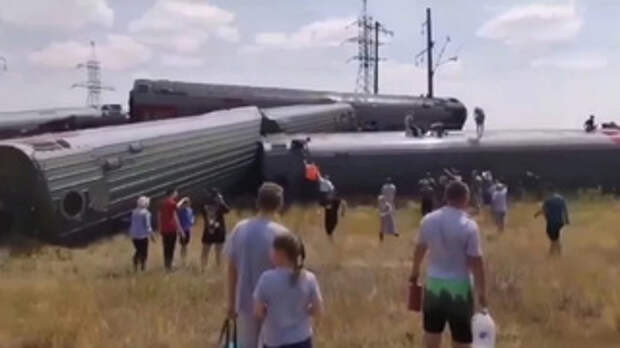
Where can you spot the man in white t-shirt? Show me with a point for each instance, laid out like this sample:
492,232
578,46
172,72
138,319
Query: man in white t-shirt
499,205
452,240
248,250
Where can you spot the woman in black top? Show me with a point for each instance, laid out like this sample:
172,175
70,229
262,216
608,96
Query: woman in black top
214,228
334,207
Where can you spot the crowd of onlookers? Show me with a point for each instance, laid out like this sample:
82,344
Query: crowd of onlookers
175,220
272,298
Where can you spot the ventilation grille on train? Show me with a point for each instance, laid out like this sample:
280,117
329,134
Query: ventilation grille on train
51,145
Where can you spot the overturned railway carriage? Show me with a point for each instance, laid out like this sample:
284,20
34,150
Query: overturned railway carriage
160,99
360,163
33,122
308,119
59,184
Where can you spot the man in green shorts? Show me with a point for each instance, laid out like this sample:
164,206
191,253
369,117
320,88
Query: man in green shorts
452,240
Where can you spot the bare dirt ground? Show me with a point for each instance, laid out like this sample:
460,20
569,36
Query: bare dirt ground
56,297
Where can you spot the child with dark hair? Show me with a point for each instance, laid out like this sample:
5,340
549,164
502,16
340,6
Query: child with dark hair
186,220
287,297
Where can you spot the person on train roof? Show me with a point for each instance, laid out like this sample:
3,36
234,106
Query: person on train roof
590,124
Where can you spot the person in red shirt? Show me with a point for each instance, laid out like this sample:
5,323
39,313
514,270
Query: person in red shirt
169,226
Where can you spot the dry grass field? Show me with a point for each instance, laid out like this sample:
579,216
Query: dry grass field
56,297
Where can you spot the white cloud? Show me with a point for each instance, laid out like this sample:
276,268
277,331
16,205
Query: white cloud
534,23
228,33
572,61
180,61
119,52
184,25
62,14
329,32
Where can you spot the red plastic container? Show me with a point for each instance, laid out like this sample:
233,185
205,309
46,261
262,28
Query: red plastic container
415,297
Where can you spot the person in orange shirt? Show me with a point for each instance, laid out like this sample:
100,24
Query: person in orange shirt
312,175
312,171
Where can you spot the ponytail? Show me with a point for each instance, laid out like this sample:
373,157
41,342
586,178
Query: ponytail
299,261
293,247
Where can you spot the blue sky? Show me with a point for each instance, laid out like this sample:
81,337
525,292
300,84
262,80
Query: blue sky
538,63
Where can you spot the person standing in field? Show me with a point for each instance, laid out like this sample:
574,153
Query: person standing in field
388,190
140,231
312,174
452,240
326,188
387,217
287,297
186,220
248,253
169,226
427,195
476,190
214,233
556,214
499,205
487,187
335,207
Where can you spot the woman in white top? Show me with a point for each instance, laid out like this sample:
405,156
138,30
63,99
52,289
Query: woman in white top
140,231
386,214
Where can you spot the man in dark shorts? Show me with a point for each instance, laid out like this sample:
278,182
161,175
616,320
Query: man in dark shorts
556,214
452,240
169,226
214,227
334,208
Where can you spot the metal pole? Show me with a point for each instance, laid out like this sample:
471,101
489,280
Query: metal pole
377,28
429,51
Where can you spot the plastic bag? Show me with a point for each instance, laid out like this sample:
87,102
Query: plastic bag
228,335
484,330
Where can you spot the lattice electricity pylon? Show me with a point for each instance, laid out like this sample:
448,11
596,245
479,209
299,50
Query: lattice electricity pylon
93,83
367,43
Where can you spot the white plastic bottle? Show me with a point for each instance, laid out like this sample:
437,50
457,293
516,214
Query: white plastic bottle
484,330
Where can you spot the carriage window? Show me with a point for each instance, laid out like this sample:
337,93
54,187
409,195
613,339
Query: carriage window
73,205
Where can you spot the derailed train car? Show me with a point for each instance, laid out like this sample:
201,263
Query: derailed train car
56,185
160,99
309,119
360,163
33,122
